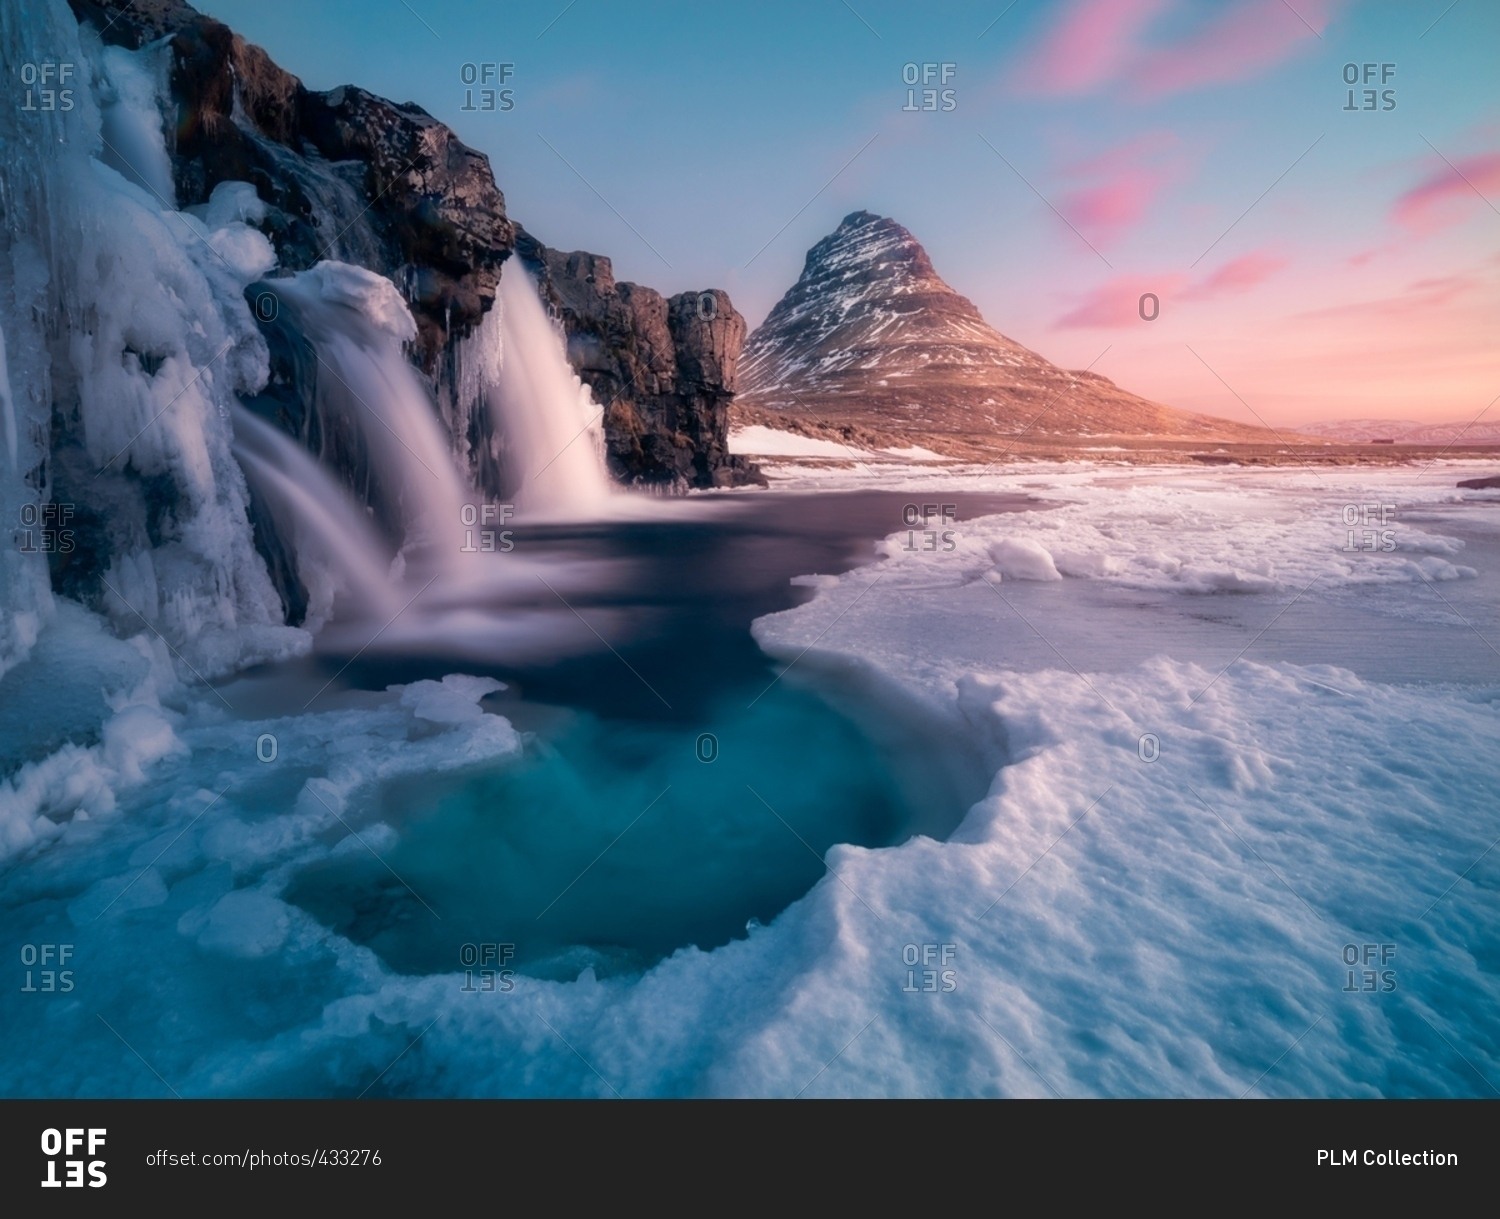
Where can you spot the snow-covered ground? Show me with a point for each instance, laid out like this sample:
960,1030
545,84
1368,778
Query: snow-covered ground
1238,839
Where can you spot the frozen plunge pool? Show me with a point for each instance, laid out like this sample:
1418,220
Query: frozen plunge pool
676,788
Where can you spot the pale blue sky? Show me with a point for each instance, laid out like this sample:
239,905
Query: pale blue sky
695,142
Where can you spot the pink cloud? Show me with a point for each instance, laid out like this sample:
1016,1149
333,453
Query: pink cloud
1237,275
1111,207
1446,197
1117,303
1243,41
1097,43
1089,46
1125,182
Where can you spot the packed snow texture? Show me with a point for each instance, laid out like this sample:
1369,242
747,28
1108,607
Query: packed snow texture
1184,535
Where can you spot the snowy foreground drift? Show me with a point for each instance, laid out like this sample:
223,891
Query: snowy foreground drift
1185,837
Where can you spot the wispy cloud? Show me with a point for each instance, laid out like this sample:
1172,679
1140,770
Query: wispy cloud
1450,193
1237,275
1099,43
1117,303
1414,304
1118,187
1090,46
1243,41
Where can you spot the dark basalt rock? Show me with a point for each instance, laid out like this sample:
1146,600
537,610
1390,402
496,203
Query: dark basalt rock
1481,484
353,176
663,370
348,175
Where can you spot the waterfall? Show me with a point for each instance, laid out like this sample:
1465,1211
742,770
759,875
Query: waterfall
131,85
551,426
129,342
337,547
356,324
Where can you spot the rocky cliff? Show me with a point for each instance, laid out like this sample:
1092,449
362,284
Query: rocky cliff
662,370
354,177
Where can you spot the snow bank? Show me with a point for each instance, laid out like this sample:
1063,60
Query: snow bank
1157,896
98,727
1022,559
1188,534
760,441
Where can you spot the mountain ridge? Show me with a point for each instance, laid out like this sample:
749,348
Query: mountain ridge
871,336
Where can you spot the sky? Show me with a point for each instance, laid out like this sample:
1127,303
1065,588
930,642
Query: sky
1306,258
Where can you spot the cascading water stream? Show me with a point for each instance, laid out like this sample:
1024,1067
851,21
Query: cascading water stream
551,424
356,322
338,548
376,430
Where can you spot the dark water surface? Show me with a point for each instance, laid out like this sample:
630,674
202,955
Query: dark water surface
680,595
674,789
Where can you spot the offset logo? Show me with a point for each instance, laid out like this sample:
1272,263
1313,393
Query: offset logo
70,1173
46,968
487,87
919,521
46,86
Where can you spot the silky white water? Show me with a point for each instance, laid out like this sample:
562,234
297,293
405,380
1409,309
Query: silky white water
338,548
546,414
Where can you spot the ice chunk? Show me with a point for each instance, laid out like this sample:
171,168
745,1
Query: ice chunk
454,700
366,292
245,923
1023,559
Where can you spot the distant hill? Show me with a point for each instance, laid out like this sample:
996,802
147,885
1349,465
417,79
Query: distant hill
1406,431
